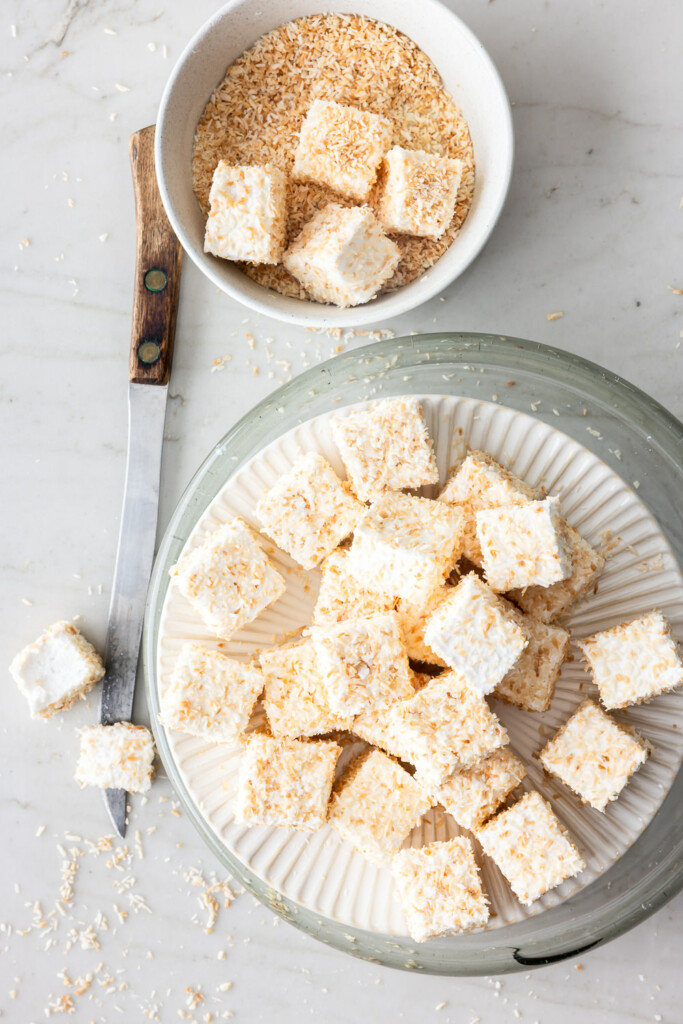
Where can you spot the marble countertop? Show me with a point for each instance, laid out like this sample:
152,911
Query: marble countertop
592,229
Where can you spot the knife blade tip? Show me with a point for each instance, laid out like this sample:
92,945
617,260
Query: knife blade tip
115,801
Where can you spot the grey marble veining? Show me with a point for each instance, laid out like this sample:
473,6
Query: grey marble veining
592,229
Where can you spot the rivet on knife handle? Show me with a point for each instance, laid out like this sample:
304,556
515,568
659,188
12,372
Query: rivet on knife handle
157,271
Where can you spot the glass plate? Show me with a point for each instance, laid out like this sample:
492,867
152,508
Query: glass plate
626,429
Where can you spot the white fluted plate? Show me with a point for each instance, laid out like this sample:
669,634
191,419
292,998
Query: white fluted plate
321,871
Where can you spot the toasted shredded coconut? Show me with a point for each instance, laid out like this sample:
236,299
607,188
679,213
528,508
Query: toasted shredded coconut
116,757
386,447
309,511
548,603
593,755
376,804
478,483
476,633
473,795
523,545
444,727
440,890
295,698
634,661
210,695
285,782
531,847
342,596
363,662
530,683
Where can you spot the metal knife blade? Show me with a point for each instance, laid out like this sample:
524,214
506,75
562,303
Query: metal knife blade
157,283
134,558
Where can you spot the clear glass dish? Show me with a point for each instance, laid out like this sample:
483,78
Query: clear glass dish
629,431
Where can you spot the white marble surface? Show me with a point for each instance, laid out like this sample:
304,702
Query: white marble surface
590,229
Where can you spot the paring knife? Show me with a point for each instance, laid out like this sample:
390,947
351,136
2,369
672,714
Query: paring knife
157,283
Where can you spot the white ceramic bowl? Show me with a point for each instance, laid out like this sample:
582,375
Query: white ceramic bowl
468,74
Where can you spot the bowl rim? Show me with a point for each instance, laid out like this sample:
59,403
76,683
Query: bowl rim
574,926
316,314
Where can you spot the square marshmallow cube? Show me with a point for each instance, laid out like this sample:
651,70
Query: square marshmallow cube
376,805
248,214
57,669
523,545
530,683
341,147
386,448
228,579
444,727
342,256
471,796
210,695
548,603
116,756
413,617
480,482
593,755
440,889
342,596
285,782
476,633
634,661
295,698
419,192
363,663
405,546
531,847
308,512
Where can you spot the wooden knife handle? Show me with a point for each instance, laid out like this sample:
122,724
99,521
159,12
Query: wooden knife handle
157,271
